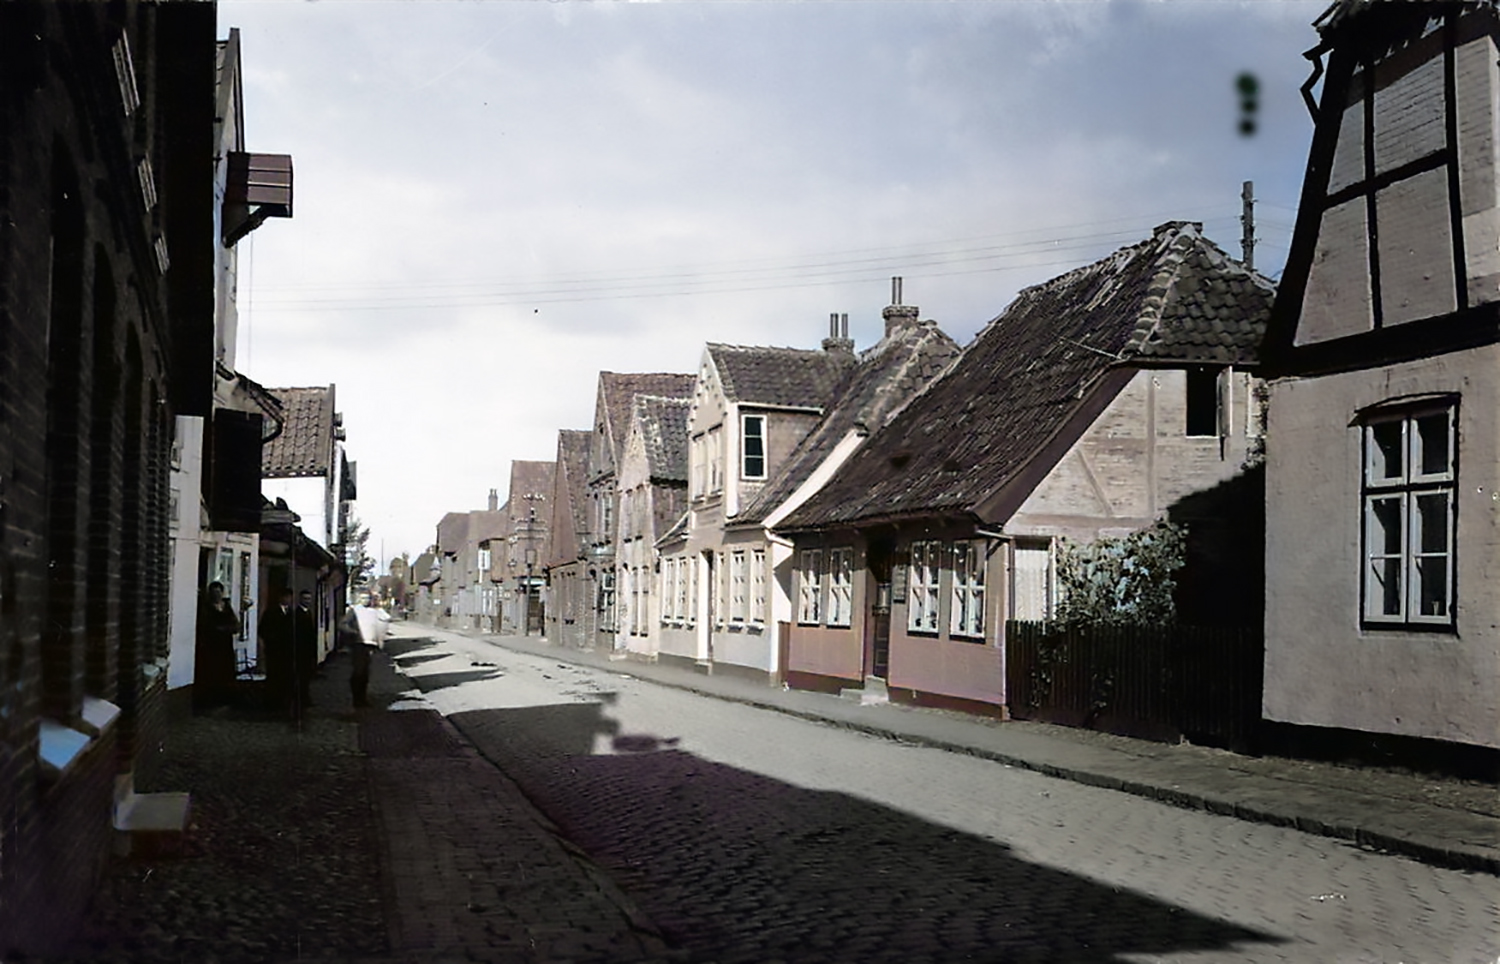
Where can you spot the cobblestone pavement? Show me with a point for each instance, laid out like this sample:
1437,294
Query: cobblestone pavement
756,836
475,871
370,838
281,861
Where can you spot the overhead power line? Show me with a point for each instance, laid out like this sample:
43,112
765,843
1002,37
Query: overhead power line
977,255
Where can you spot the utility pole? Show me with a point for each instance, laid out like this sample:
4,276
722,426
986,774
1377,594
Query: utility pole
1247,224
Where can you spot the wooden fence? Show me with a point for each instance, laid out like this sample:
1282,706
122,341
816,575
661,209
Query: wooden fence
1157,682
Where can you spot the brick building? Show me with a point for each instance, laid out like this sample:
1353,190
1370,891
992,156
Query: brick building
106,334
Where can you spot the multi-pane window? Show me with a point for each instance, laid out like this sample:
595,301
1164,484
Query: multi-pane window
607,600
966,618
690,604
922,601
758,586
753,447
669,591
698,457
810,587
1409,484
738,586
721,588
627,600
713,444
840,586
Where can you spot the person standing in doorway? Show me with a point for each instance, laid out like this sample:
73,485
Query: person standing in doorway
213,657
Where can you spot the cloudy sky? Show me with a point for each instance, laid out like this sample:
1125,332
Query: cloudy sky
496,200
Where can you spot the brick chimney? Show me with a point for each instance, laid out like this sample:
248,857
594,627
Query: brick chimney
494,500
838,339
897,315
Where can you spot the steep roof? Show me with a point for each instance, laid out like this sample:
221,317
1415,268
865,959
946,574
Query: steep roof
425,570
789,377
569,492
618,389
452,532
305,445
485,525
887,375
663,423
1035,370
529,478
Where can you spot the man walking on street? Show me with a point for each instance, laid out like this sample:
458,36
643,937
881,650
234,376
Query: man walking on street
352,640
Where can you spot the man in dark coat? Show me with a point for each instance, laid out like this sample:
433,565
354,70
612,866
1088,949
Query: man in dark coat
276,628
304,652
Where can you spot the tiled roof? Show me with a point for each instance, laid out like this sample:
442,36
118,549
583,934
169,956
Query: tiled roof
678,532
425,570
305,445
664,424
452,532
618,389
889,373
791,377
1217,314
569,519
530,478
1032,369
485,525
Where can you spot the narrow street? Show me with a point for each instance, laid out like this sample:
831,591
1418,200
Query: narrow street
748,835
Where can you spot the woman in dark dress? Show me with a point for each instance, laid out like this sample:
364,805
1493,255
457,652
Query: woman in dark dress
218,625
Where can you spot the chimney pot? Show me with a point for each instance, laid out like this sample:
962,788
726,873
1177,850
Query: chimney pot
897,315
837,342
494,500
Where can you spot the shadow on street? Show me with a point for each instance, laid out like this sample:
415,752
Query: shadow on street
739,867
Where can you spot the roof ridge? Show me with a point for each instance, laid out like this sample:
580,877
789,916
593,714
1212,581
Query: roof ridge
1170,259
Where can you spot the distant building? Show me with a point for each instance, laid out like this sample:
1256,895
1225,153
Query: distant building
569,610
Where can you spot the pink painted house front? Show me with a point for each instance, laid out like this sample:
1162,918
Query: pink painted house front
1091,407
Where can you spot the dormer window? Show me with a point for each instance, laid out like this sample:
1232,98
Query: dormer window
753,447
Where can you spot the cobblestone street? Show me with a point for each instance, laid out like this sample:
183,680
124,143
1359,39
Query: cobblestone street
753,836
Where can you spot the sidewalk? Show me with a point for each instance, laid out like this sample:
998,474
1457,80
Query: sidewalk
370,836
1448,823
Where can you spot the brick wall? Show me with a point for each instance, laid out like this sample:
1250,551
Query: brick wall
85,335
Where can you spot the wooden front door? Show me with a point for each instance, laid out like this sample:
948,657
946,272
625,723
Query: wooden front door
878,631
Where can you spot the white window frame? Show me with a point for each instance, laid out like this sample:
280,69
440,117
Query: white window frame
922,598
1397,543
721,589
809,587
758,586
690,615
697,453
966,617
714,443
668,613
841,587
607,600
738,586
759,436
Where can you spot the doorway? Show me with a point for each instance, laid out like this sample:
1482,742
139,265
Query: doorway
878,633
